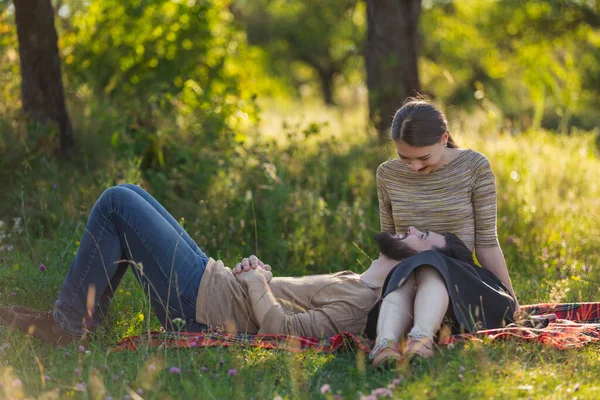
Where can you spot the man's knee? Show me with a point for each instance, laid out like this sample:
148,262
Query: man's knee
114,196
129,186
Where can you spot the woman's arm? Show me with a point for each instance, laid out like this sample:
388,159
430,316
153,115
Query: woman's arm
492,259
487,247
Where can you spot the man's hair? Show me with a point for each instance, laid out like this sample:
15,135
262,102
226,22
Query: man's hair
455,248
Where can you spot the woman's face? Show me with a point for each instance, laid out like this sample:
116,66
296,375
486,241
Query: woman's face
422,160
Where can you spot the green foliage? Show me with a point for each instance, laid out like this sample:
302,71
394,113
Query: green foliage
305,40
9,61
537,61
163,66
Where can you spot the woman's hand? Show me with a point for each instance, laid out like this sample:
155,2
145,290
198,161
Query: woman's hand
252,263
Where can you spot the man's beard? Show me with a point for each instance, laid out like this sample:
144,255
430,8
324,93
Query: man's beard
393,247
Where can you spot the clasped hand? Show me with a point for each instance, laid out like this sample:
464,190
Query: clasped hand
252,268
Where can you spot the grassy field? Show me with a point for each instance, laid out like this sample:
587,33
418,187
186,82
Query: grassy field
301,195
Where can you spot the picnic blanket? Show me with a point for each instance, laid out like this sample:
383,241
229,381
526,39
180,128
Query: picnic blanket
562,325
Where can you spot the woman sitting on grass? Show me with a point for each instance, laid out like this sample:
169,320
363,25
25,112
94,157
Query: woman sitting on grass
434,186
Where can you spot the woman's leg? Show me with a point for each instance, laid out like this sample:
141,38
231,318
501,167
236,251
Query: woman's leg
431,303
396,313
395,318
125,229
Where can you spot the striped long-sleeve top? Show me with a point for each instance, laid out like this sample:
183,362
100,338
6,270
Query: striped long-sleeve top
459,197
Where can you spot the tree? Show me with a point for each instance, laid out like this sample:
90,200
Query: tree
320,35
391,57
41,82
168,67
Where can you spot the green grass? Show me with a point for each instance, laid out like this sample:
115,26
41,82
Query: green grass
302,197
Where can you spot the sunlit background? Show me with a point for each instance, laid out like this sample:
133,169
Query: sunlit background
252,122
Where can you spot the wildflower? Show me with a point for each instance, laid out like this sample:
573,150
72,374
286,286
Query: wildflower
80,387
140,391
76,372
221,362
17,383
109,398
205,369
232,372
576,388
325,388
473,371
54,185
105,368
67,355
151,367
13,294
46,378
81,349
382,392
277,398
42,267
175,370
193,344
461,377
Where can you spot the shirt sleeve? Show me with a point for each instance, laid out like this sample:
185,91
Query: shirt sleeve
325,321
484,205
385,205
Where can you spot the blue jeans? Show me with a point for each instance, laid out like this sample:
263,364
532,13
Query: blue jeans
128,228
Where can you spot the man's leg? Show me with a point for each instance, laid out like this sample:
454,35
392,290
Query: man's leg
191,324
124,229
166,215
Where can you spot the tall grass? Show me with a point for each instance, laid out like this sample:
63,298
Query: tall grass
299,193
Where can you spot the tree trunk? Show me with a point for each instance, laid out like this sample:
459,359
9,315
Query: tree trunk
391,57
41,81
326,79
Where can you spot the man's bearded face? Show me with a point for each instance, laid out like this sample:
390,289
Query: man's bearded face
394,246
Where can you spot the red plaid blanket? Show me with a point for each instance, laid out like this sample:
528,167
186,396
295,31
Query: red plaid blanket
576,324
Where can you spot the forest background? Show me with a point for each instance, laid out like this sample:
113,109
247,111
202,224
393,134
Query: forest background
260,124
